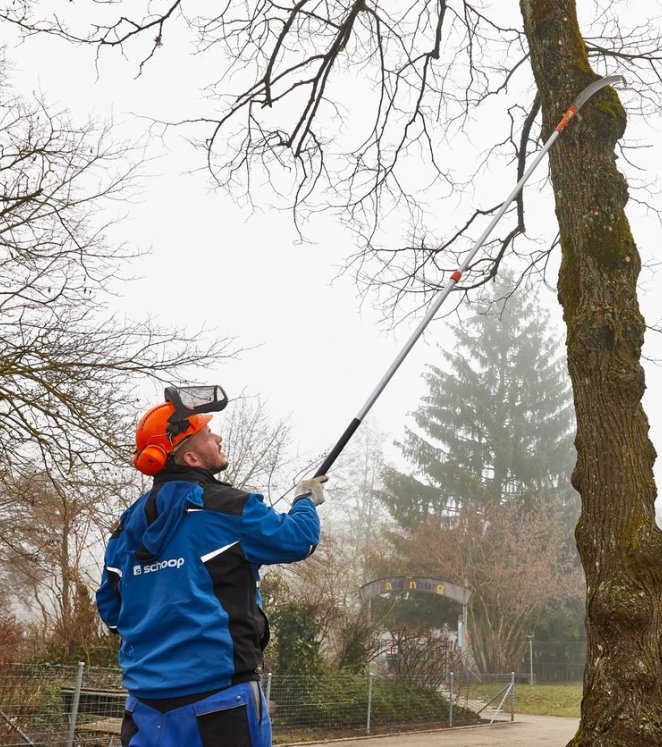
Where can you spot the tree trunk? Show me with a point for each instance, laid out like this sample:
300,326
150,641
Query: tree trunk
618,541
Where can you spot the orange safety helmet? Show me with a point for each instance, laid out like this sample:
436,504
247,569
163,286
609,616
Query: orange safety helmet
156,437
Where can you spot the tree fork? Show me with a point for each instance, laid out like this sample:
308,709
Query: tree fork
617,537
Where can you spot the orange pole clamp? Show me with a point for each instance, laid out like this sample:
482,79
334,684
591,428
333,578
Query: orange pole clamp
567,117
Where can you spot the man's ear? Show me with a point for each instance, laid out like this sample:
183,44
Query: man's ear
190,459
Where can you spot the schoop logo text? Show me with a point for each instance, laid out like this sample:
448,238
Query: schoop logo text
158,565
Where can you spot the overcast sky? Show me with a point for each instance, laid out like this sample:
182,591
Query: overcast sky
316,351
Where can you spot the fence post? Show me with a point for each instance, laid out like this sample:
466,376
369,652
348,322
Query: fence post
267,691
370,679
512,696
73,716
450,700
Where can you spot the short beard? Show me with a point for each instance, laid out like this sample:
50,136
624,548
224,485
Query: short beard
220,468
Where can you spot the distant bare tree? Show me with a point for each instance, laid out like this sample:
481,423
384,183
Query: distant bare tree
517,564
357,513
260,452
68,367
11,638
50,542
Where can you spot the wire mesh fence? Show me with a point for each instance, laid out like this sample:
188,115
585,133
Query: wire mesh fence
76,706
58,706
557,661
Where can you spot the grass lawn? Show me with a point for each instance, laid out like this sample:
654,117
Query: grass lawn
549,700
541,700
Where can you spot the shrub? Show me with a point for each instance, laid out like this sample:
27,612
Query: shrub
340,701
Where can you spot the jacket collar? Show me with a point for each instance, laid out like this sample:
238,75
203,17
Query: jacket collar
189,474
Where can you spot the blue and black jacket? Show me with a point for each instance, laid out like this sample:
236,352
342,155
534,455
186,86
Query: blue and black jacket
180,581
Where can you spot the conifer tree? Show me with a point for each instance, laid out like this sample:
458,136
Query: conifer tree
496,425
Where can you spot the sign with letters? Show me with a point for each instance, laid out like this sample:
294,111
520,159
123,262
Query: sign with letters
398,584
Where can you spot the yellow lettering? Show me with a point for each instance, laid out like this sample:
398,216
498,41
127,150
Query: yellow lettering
411,584
439,589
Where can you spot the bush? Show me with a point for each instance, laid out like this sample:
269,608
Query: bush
340,701
297,639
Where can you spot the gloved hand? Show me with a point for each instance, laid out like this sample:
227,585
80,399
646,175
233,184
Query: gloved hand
312,489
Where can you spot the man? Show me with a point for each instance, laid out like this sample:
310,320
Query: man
180,586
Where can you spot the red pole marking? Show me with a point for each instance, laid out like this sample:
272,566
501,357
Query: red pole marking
456,275
572,110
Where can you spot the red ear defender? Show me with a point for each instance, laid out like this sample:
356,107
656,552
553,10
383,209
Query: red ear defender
151,459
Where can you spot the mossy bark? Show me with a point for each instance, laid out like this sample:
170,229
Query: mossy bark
618,540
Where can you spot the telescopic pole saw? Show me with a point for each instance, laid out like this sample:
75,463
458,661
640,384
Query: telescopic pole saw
569,115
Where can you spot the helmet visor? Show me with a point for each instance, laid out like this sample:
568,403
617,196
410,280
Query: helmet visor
196,399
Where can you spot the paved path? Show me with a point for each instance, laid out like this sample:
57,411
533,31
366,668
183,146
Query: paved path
525,731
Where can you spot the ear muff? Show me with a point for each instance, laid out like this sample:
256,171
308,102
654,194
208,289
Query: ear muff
150,460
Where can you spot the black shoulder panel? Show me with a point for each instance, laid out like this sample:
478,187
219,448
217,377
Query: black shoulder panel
224,498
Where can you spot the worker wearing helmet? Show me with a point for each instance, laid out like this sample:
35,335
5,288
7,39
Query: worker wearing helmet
180,586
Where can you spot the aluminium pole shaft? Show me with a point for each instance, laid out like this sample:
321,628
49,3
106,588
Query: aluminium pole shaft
441,296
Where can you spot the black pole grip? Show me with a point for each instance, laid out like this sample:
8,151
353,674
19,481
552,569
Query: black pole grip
335,451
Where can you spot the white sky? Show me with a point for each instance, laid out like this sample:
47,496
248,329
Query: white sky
317,355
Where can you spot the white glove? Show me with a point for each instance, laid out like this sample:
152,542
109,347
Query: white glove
312,489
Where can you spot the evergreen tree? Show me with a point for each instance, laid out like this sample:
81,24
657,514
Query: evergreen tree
497,423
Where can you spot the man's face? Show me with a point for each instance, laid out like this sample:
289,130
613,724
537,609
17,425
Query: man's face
204,450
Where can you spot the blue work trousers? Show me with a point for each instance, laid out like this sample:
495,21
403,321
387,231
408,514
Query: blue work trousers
234,717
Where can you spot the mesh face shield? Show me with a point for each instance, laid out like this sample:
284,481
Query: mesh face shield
197,399
192,400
